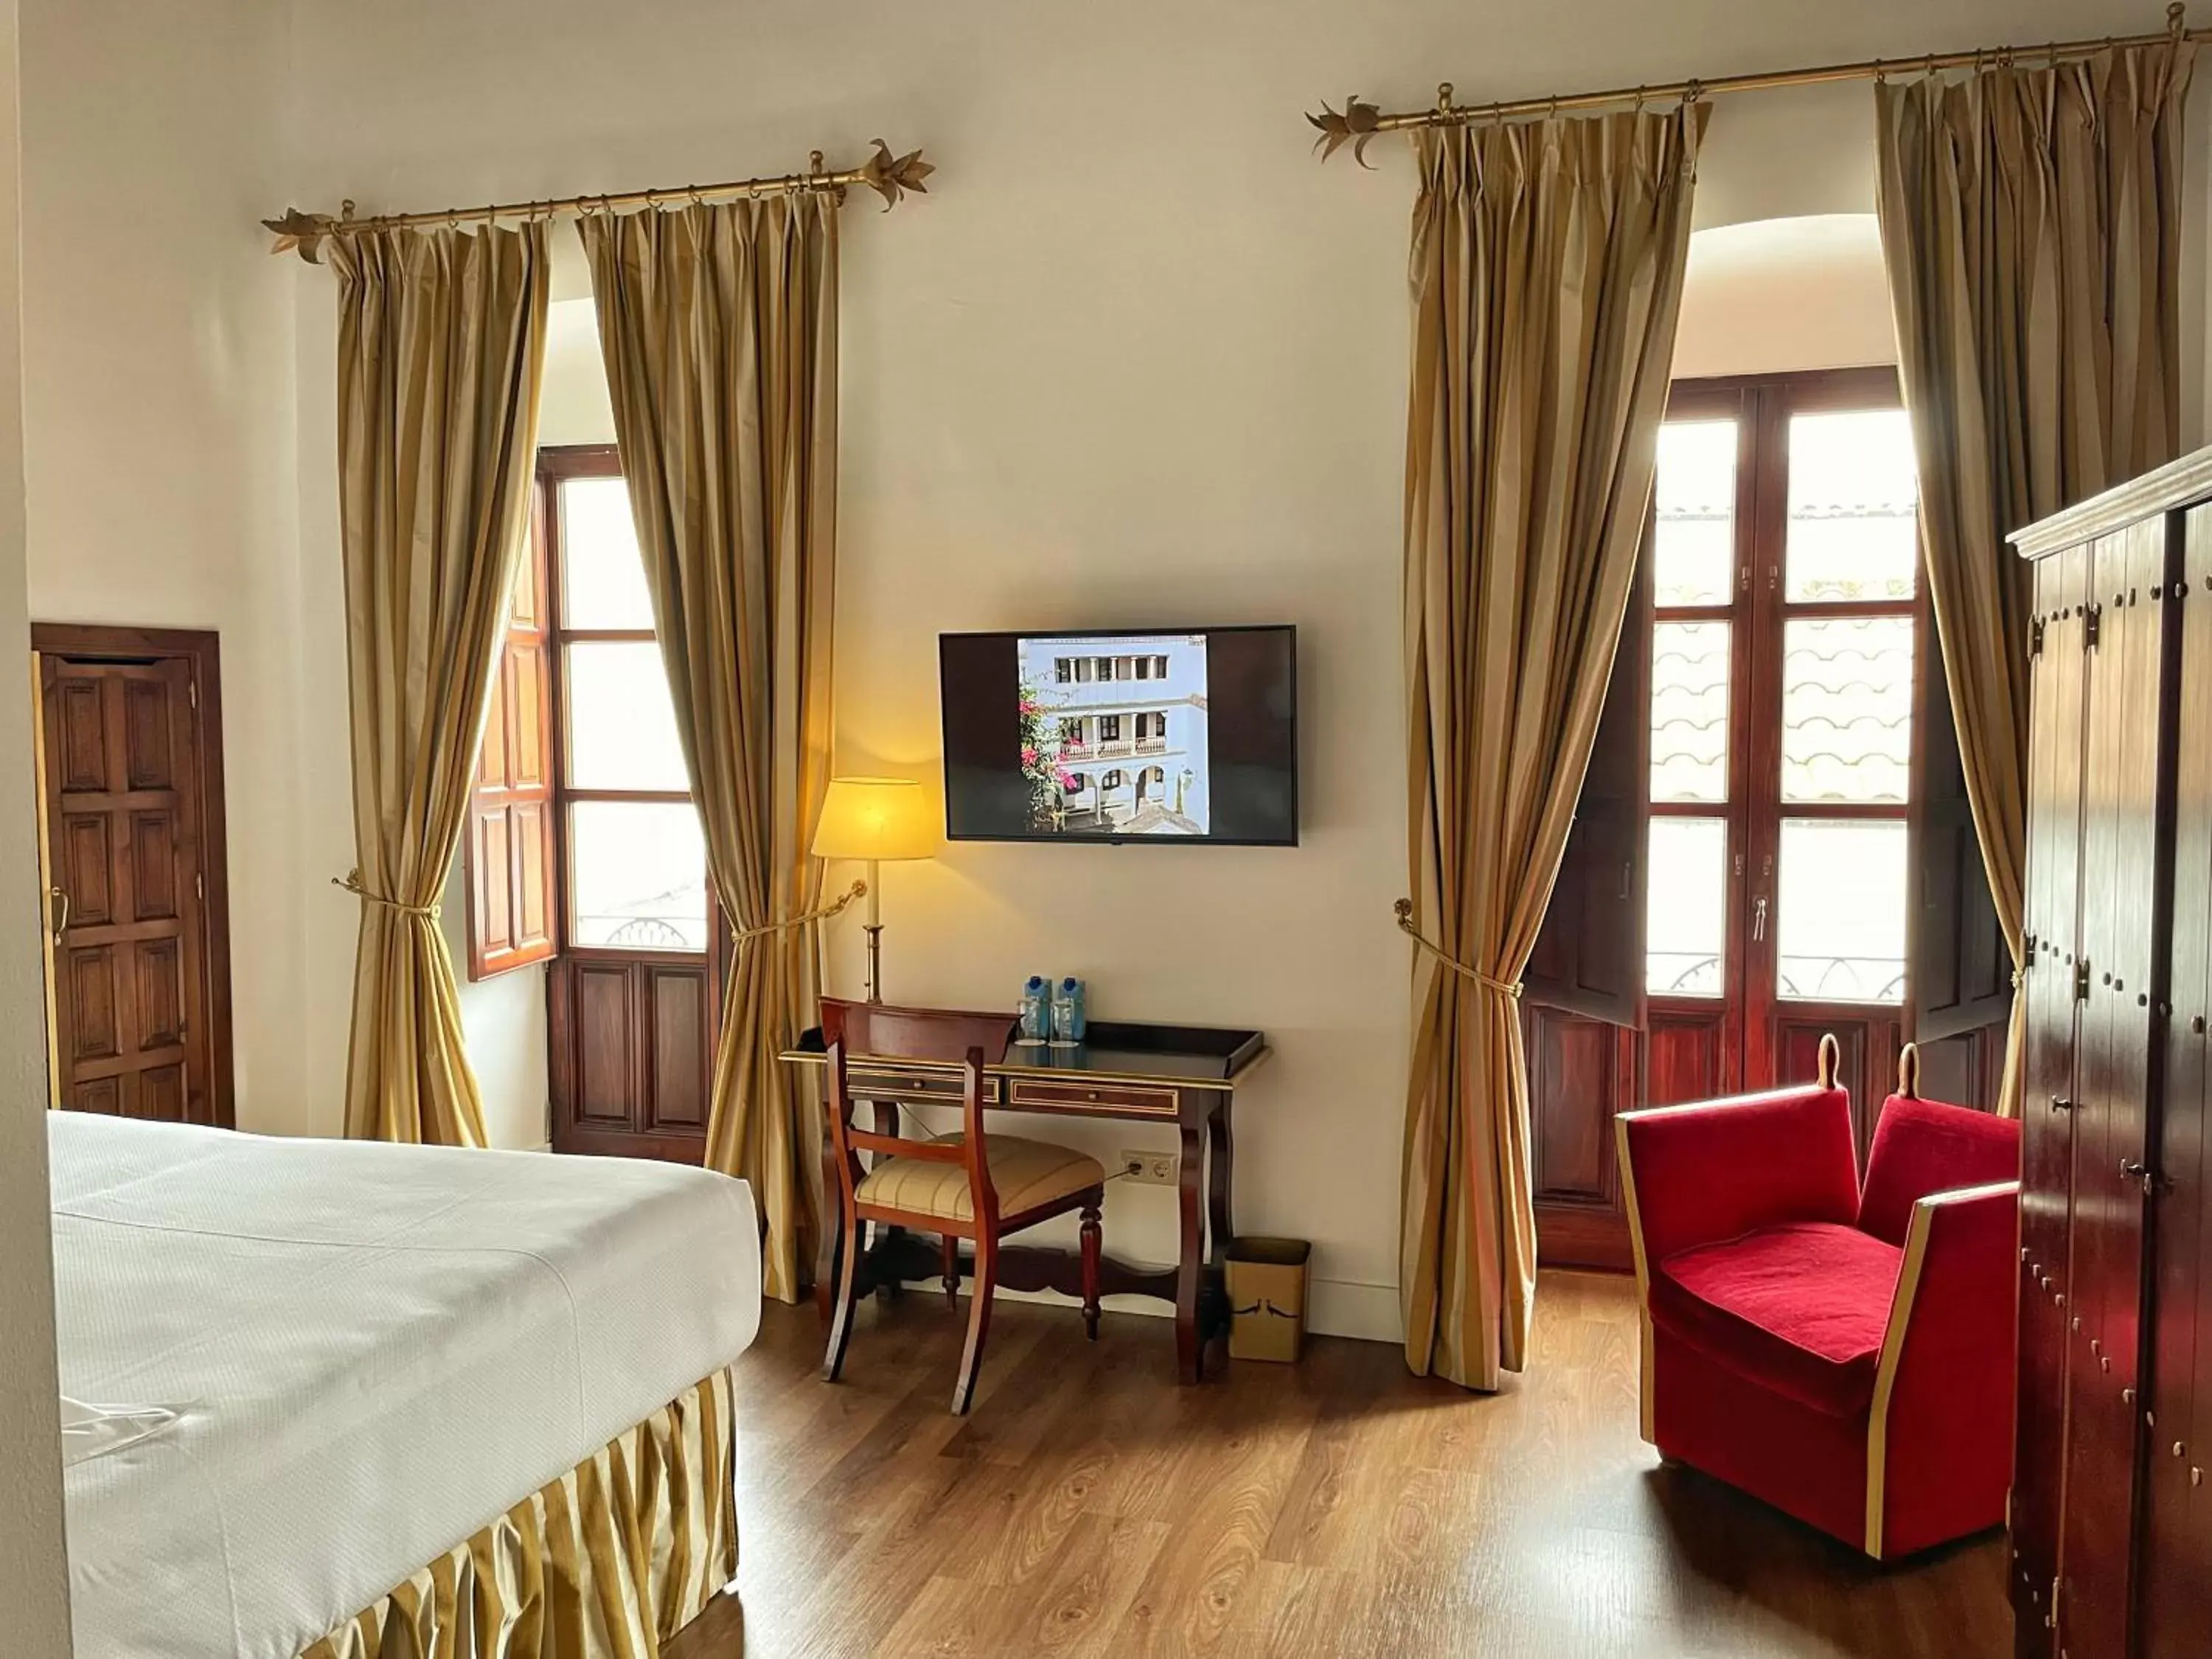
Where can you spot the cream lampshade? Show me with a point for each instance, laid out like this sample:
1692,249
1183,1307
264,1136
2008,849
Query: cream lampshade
876,819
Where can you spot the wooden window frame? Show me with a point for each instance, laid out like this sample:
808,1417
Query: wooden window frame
1758,614
558,467
488,957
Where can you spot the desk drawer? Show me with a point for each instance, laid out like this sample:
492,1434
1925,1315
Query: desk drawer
873,1083
1116,1099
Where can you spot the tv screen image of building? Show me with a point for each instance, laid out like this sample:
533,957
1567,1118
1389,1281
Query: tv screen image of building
1114,734
1153,736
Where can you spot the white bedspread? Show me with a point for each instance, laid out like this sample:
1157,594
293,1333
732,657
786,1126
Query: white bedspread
374,1351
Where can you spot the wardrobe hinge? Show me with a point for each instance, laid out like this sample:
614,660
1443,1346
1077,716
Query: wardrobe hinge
2082,980
2092,626
2028,953
2035,639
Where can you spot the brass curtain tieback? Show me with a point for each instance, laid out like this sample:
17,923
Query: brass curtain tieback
1505,988
858,889
351,883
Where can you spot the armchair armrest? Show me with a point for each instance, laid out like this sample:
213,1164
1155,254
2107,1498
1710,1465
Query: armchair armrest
1696,1175
1940,1427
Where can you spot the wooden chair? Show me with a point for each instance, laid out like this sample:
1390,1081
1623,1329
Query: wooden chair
971,1185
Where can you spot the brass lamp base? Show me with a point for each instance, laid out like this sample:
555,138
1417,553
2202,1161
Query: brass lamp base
875,932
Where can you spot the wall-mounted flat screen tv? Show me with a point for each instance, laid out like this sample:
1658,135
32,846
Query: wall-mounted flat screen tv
1164,735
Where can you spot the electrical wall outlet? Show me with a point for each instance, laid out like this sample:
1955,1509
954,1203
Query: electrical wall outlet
1152,1169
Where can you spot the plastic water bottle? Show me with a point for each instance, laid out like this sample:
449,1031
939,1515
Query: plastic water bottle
1036,1022
1069,1017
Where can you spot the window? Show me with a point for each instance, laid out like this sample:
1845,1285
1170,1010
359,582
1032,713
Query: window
1109,728
634,870
1111,781
1071,731
1159,668
1783,653
610,837
1105,668
1063,670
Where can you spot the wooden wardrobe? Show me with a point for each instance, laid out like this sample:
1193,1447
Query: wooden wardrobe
2112,1515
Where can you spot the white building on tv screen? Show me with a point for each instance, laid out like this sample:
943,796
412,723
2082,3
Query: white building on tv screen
1126,727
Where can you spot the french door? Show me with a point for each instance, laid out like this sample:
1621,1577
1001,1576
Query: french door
1783,557
1757,854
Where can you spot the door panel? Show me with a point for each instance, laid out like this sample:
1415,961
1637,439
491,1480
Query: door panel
632,1038
2178,1509
2056,735
2111,1190
126,811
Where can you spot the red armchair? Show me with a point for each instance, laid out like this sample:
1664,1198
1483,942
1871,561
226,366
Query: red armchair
1843,1352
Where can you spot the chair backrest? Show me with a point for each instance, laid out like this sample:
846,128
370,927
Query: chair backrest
1923,1146
860,1030
945,1033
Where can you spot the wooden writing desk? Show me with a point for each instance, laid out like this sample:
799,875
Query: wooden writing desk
1186,1075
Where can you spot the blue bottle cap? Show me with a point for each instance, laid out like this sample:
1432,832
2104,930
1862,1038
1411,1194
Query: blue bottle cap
1036,982
1071,983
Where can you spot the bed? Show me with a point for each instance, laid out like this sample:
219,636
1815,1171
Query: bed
394,1385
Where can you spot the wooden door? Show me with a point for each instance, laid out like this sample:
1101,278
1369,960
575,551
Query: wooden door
1766,737
2177,1553
2059,669
139,990
2122,936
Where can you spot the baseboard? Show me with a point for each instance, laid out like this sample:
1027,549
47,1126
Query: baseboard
1344,1307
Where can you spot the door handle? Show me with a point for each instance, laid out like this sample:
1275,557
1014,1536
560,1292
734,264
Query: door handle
2142,1173
2060,1103
61,925
1758,918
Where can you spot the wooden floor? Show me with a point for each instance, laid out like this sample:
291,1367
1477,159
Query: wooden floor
1088,1506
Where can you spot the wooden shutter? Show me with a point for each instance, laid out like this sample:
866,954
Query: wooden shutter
1589,958
1959,969
508,851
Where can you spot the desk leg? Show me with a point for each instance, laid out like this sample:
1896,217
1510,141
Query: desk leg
1220,1167
1190,1261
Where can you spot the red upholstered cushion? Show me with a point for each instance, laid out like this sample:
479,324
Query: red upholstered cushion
1923,1146
1800,1308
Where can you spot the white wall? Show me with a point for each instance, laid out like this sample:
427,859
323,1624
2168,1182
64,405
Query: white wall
34,1571
1136,359
161,431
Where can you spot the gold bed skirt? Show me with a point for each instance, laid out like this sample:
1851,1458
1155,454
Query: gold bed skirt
608,1562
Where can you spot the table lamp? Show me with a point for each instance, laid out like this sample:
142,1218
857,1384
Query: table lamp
875,819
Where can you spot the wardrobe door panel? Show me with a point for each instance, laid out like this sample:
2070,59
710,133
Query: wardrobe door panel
2047,1123
2111,1185
2176,1554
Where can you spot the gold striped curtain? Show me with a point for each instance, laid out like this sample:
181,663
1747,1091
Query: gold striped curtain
2030,222
719,328
441,342
1547,276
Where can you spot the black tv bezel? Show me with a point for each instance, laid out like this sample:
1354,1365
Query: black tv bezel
1040,839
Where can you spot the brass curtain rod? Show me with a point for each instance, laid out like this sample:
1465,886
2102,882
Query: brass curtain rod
1358,124
889,176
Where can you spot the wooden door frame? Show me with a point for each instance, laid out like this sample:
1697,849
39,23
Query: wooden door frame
202,648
